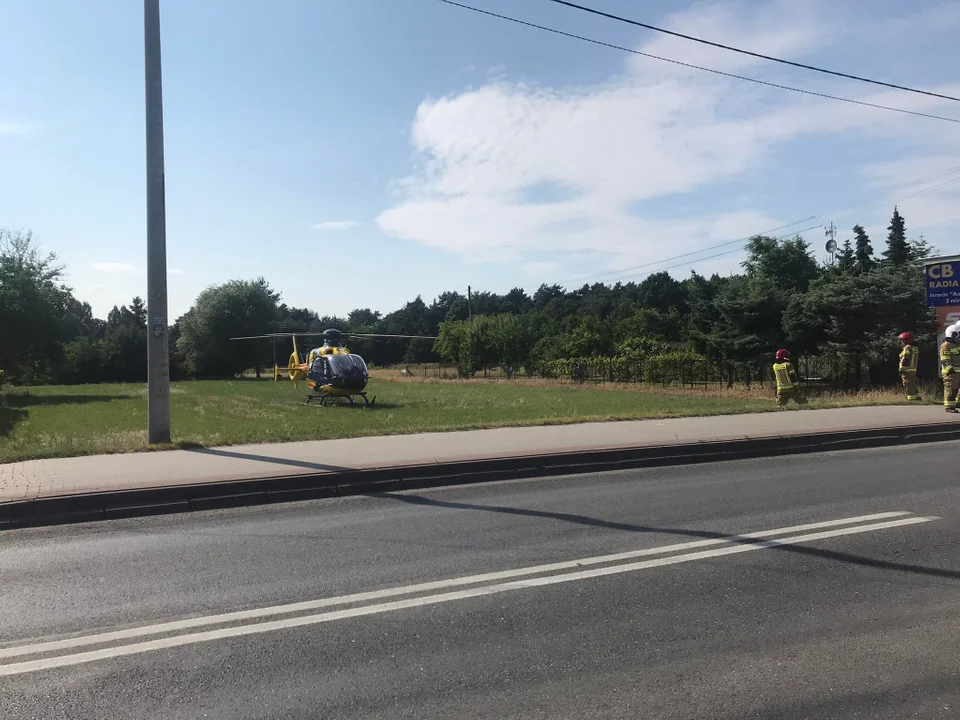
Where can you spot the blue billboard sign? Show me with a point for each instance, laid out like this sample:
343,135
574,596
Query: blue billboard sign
942,281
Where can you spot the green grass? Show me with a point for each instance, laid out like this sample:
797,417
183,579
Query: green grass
85,419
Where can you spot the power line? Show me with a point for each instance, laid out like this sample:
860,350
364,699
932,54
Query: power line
688,254
948,183
776,229
620,276
751,53
625,273
698,67
711,257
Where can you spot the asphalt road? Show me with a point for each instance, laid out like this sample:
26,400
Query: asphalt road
854,617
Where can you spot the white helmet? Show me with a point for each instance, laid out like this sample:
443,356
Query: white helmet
953,331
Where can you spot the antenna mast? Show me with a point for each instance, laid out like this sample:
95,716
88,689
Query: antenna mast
831,246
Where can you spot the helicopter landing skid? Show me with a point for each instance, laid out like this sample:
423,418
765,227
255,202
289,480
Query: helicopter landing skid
325,399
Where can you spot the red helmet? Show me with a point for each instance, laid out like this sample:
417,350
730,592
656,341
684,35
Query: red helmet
906,337
782,354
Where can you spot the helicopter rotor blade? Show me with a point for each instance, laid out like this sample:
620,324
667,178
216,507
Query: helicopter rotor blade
277,335
382,335
346,334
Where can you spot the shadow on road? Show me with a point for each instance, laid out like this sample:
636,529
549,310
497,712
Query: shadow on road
707,534
220,452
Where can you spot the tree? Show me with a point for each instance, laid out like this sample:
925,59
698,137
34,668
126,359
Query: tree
515,302
846,260
747,322
139,311
788,263
46,334
363,320
34,305
545,350
124,348
856,318
898,250
509,340
85,360
484,341
863,254
701,293
451,345
448,306
649,324
661,292
234,309
332,321
920,249
294,319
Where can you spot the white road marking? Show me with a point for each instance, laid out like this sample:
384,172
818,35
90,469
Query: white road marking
257,628
206,621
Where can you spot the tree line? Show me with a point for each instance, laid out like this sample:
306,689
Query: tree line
847,313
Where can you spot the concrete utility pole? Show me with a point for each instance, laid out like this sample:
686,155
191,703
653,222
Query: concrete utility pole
158,361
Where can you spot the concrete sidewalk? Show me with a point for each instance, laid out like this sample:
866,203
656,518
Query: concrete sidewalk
60,478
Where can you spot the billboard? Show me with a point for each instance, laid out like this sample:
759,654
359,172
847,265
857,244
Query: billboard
942,283
947,315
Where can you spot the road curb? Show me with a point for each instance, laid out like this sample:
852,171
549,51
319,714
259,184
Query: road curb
239,493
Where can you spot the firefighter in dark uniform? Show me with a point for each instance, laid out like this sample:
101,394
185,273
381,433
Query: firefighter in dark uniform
908,366
787,383
950,368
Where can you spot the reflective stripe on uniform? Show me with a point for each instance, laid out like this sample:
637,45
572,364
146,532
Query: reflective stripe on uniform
908,359
949,358
781,371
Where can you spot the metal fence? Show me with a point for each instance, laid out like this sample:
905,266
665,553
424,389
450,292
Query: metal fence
814,372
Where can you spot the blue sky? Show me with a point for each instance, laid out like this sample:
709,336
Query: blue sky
359,153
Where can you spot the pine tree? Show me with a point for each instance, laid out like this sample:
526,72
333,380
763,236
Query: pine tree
898,250
921,249
863,256
846,260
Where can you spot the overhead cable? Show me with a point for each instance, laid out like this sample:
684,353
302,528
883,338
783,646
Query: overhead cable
698,67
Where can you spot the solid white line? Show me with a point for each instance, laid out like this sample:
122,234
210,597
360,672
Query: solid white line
257,628
189,623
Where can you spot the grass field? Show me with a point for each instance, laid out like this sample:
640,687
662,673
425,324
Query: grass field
85,419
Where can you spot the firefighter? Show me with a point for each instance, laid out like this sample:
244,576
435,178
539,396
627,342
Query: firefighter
950,368
786,376
908,365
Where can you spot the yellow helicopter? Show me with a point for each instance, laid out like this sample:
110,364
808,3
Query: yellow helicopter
332,372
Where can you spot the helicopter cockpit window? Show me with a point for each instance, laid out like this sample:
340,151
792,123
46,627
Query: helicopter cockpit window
318,370
347,365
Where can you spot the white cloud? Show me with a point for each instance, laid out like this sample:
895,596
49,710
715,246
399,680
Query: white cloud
335,225
114,267
649,135
176,271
